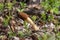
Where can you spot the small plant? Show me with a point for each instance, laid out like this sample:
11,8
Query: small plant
1,6
6,20
9,5
26,25
44,37
51,5
50,17
58,35
24,34
34,18
21,34
43,16
23,5
11,34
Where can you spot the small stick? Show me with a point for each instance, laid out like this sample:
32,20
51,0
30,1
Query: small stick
12,28
26,17
12,25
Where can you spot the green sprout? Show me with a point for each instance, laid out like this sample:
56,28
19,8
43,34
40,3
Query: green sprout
34,18
26,25
6,20
9,5
58,35
51,5
11,34
1,6
50,18
43,16
27,30
21,34
23,5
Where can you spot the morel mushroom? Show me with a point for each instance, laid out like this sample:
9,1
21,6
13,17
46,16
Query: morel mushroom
26,17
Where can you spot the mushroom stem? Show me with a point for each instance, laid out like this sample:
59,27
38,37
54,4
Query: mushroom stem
34,26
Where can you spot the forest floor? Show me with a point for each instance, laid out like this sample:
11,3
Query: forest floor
14,27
